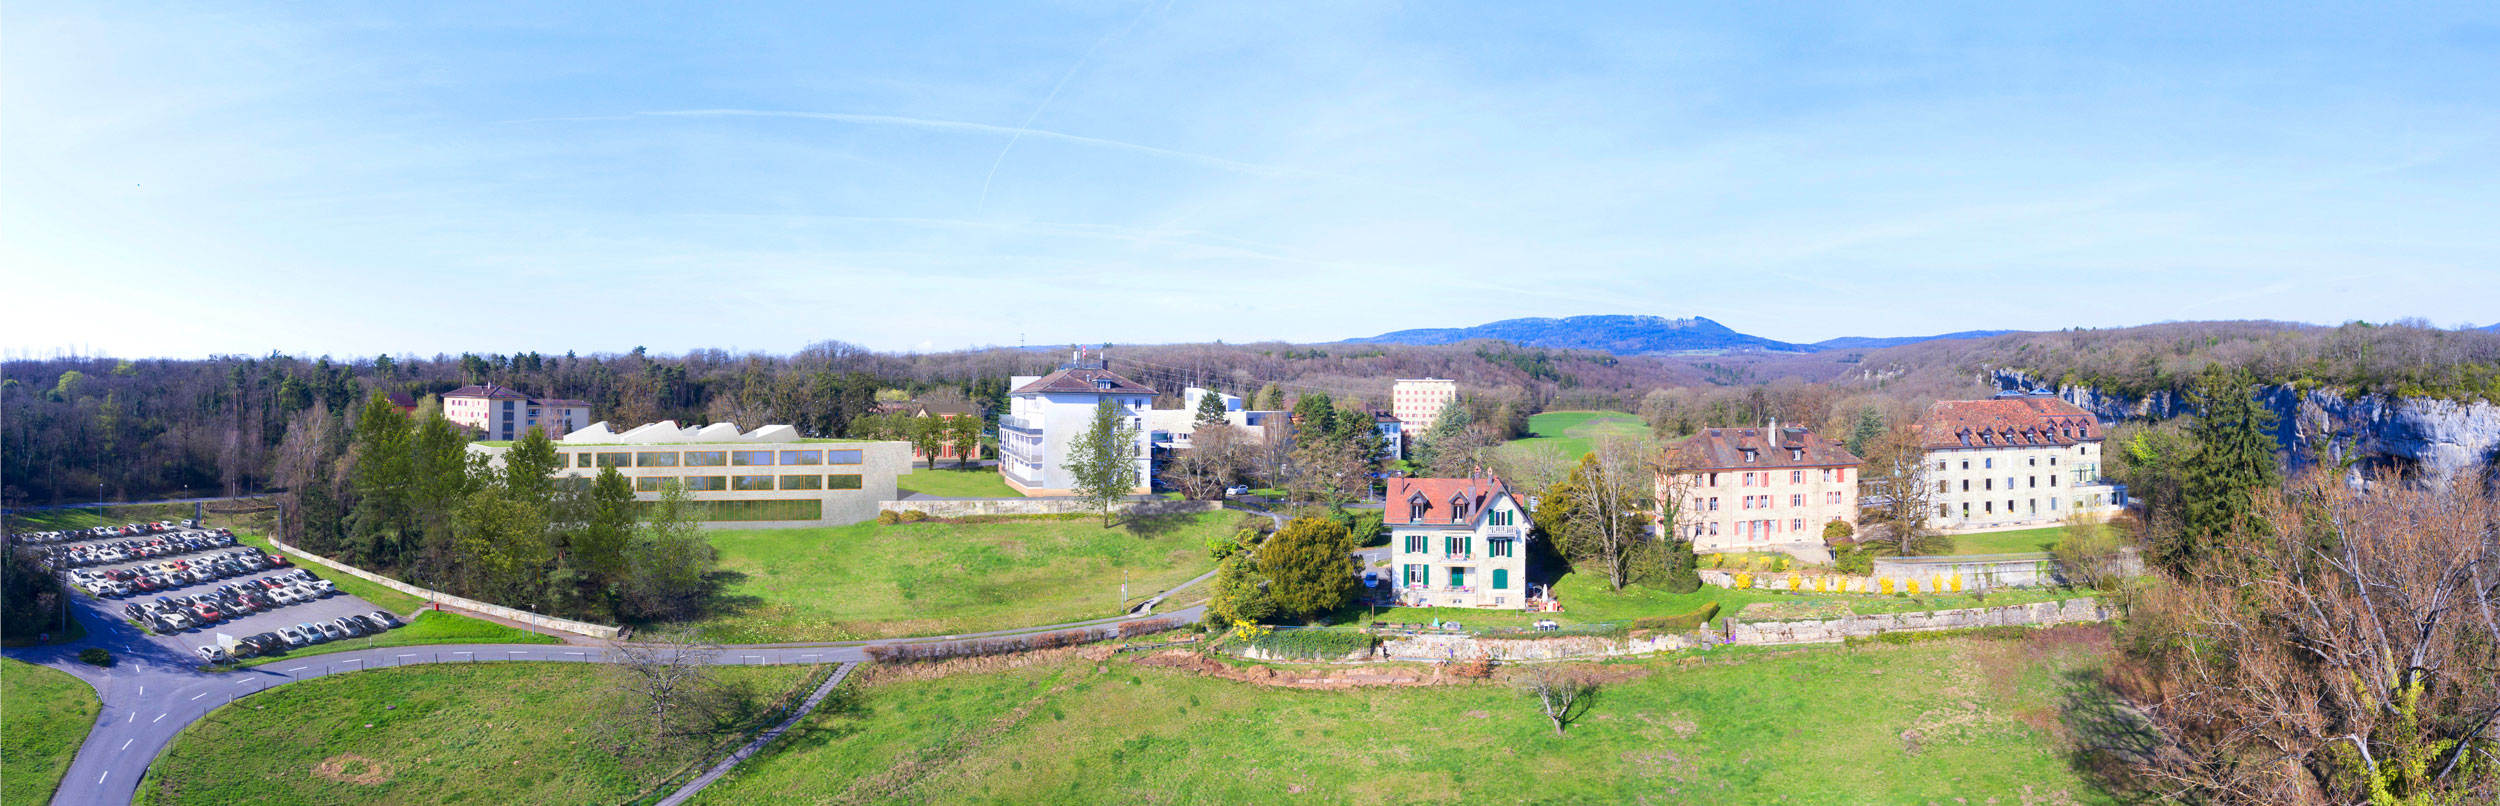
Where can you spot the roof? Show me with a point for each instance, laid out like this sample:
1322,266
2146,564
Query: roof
941,409
1084,380
2015,422
559,401
489,391
402,399
1772,447
1438,494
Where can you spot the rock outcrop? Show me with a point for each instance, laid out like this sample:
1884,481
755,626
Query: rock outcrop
2432,435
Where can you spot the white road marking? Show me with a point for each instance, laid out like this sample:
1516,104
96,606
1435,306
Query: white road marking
196,697
100,778
573,653
407,656
297,669
134,717
243,681
159,718
125,745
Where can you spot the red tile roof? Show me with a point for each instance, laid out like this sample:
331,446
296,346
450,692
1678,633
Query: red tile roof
559,401
2016,422
1477,493
1724,449
489,391
1084,380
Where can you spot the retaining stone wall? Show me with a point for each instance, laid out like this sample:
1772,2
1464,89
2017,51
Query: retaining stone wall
958,508
498,611
1829,630
1463,647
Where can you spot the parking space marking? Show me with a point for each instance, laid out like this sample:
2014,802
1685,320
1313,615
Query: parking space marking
243,681
134,717
407,656
297,669
159,718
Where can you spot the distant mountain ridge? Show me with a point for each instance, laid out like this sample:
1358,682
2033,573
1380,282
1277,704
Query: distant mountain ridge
1631,334
1618,334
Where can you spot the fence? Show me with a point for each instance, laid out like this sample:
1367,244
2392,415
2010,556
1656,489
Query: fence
967,507
496,610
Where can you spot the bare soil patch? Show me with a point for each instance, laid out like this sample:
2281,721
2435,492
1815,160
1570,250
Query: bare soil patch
353,769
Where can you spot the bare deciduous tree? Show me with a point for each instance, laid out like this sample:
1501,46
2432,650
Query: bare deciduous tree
2346,653
1895,492
1558,692
664,682
1612,494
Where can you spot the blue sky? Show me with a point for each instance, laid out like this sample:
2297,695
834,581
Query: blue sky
422,177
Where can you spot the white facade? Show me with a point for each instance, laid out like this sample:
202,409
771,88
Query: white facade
1418,402
504,413
768,477
1045,414
1458,543
1995,488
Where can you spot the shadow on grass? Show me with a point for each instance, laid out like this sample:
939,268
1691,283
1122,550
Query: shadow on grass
1147,520
2109,737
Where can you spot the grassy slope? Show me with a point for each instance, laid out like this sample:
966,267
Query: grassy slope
350,584
1576,432
428,628
2009,542
1587,599
866,580
1824,725
484,733
948,482
46,714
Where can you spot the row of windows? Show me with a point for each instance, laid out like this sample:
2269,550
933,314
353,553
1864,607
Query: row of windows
714,458
1988,463
1420,575
1752,530
842,481
1991,484
1767,477
1463,545
1768,501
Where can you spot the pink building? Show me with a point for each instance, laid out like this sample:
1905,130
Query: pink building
505,413
1755,488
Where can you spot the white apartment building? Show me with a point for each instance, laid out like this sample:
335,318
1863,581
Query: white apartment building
1046,413
1417,402
2014,462
505,413
768,477
1459,542
1758,488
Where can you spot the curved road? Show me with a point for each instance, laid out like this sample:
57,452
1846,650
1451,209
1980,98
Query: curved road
152,693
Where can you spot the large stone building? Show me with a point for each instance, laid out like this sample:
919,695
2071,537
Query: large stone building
768,477
1417,402
1746,489
1459,543
505,413
1046,413
2014,462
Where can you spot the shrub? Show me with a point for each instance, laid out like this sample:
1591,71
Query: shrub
1957,582
1783,563
1219,548
1681,622
1744,580
1887,586
914,516
1314,644
1837,530
1368,529
1718,560
1855,560
1792,581
889,517
1913,587
95,656
1147,627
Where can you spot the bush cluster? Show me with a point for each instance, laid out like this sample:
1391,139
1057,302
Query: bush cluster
1679,623
95,656
1314,644
1148,627
1008,645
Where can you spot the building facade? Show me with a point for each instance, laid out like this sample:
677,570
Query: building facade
505,413
1046,413
945,411
2017,461
1459,543
768,477
1741,489
1417,402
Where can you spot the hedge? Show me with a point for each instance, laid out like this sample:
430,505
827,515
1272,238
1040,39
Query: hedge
1679,623
1313,644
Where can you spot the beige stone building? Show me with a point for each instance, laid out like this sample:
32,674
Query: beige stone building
505,413
768,477
1459,543
2014,462
1417,402
1746,489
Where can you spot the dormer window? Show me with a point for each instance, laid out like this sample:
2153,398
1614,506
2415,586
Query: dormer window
1415,507
1749,455
1796,454
1458,510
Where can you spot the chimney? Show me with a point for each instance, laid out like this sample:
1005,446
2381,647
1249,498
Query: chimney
1773,432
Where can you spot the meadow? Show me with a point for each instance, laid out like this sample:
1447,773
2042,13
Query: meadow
44,715
1576,432
868,580
429,627
2014,542
947,481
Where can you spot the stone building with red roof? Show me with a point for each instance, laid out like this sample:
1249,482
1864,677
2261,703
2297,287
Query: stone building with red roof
1460,543
2015,461
1749,489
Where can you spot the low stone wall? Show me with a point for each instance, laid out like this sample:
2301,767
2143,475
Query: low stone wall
1829,630
965,507
1466,647
498,611
1938,582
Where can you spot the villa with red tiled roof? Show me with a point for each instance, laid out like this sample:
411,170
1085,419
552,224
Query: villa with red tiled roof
2014,462
1758,488
1460,543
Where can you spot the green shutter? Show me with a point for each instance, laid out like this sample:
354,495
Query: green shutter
1501,579
1458,577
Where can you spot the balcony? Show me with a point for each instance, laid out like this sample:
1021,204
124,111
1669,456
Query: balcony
1502,531
1458,557
1012,422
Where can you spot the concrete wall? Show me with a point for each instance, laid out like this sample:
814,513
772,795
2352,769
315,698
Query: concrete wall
1829,630
958,508
498,611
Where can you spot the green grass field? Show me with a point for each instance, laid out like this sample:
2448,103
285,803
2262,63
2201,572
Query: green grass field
949,482
428,628
449,733
1576,432
871,581
1954,721
2025,540
44,716
1587,599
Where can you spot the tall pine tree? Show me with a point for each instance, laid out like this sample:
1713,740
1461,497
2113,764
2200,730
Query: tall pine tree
2234,458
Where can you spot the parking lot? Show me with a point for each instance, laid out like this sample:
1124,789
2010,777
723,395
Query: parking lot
108,613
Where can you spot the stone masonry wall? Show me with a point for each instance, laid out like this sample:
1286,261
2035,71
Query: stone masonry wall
964,507
1828,630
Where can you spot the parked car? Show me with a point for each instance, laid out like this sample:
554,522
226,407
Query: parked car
293,637
312,633
329,631
355,628
387,620
214,655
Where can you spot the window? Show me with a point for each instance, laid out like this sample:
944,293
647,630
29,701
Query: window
1966,485
1714,479
850,457
802,509
1988,507
842,481
802,482
1714,504
1714,529
1501,579
707,458
1415,511
649,484
1749,479
1796,524
1795,454
1498,548
1797,500
1944,486
1966,509
1458,510
583,460
1987,484
1943,511
2035,461
705,483
802,457
1796,477
1827,474
1415,544
655,459
1749,455
2052,461
751,458
1458,545
1987,463
1417,575
2031,481
750,482
1966,464
616,459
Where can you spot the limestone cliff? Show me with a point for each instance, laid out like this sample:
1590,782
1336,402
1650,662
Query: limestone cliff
2430,434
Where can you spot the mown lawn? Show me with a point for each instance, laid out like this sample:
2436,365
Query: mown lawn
44,716
429,627
350,584
1588,599
1954,721
870,581
1576,432
2024,540
949,482
533,733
